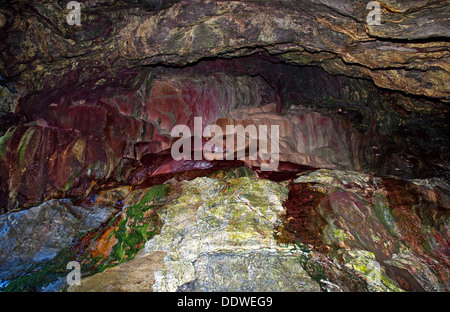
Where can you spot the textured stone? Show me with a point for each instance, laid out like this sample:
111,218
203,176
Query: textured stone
364,217
330,230
187,31
134,275
92,140
231,222
86,113
107,243
39,233
254,271
306,137
69,151
218,236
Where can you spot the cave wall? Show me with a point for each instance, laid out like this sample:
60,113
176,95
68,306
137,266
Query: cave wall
82,105
359,201
407,52
93,139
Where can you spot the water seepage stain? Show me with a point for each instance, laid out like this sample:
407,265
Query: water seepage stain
302,221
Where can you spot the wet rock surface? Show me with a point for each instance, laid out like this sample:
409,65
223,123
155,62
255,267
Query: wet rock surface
359,200
327,230
382,217
227,236
74,147
40,233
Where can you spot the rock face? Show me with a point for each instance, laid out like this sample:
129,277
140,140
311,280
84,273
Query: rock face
38,234
190,30
328,230
86,111
218,236
75,146
358,216
306,137
102,141
222,243
358,200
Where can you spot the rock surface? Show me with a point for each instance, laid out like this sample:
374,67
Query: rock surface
360,199
93,143
360,216
81,106
40,233
74,148
334,32
305,137
222,243
228,235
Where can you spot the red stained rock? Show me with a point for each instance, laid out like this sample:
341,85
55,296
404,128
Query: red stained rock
303,221
383,218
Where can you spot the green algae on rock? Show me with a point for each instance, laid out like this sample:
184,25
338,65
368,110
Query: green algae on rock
116,241
218,236
39,233
223,233
229,234
374,221
226,227
86,113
